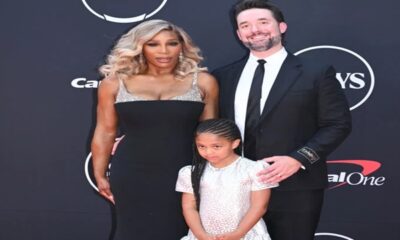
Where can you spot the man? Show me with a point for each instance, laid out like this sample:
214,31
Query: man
290,111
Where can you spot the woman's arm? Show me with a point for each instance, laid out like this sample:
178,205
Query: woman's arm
258,207
192,217
209,87
104,134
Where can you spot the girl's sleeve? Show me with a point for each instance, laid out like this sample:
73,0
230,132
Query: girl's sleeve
184,182
256,185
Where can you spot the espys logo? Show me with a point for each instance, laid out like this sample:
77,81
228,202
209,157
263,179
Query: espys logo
102,7
354,173
354,73
89,172
331,236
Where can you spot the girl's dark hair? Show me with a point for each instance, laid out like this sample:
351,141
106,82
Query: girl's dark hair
221,127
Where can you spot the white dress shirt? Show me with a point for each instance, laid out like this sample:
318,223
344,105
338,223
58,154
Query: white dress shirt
272,66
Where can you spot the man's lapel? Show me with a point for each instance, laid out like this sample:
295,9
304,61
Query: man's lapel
288,74
233,78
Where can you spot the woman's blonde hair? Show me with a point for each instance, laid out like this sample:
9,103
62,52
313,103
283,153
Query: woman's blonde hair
126,58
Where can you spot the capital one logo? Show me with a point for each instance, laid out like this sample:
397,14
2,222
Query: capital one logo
331,236
354,173
354,73
98,8
84,83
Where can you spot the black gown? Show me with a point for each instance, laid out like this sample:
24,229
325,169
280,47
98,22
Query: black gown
158,142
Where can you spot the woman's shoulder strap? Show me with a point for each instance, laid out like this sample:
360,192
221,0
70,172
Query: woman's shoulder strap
195,78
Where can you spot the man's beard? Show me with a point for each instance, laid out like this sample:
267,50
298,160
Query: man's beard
265,45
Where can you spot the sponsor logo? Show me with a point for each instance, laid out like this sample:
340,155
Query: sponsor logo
84,83
137,18
354,173
88,166
308,153
331,236
89,173
354,73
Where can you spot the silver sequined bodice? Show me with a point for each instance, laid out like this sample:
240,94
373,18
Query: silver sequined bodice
193,94
225,196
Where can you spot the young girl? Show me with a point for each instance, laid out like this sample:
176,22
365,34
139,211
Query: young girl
222,199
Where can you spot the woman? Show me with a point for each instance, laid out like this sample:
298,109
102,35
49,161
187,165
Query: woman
156,93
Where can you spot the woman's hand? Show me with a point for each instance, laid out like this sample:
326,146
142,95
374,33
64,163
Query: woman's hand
104,134
104,189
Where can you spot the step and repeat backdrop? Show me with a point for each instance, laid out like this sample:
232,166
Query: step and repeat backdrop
50,52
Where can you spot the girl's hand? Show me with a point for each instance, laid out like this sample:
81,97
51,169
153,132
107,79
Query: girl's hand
230,236
208,237
104,189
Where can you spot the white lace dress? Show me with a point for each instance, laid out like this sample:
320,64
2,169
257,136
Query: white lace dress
225,196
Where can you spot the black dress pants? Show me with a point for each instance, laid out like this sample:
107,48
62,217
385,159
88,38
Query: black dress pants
294,215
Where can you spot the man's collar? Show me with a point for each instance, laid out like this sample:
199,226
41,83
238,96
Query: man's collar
279,56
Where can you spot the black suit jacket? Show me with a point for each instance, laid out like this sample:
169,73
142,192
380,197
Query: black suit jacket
306,116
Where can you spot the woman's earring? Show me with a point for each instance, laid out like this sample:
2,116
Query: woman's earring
180,57
141,58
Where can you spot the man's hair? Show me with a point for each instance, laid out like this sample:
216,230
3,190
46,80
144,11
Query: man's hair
243,5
